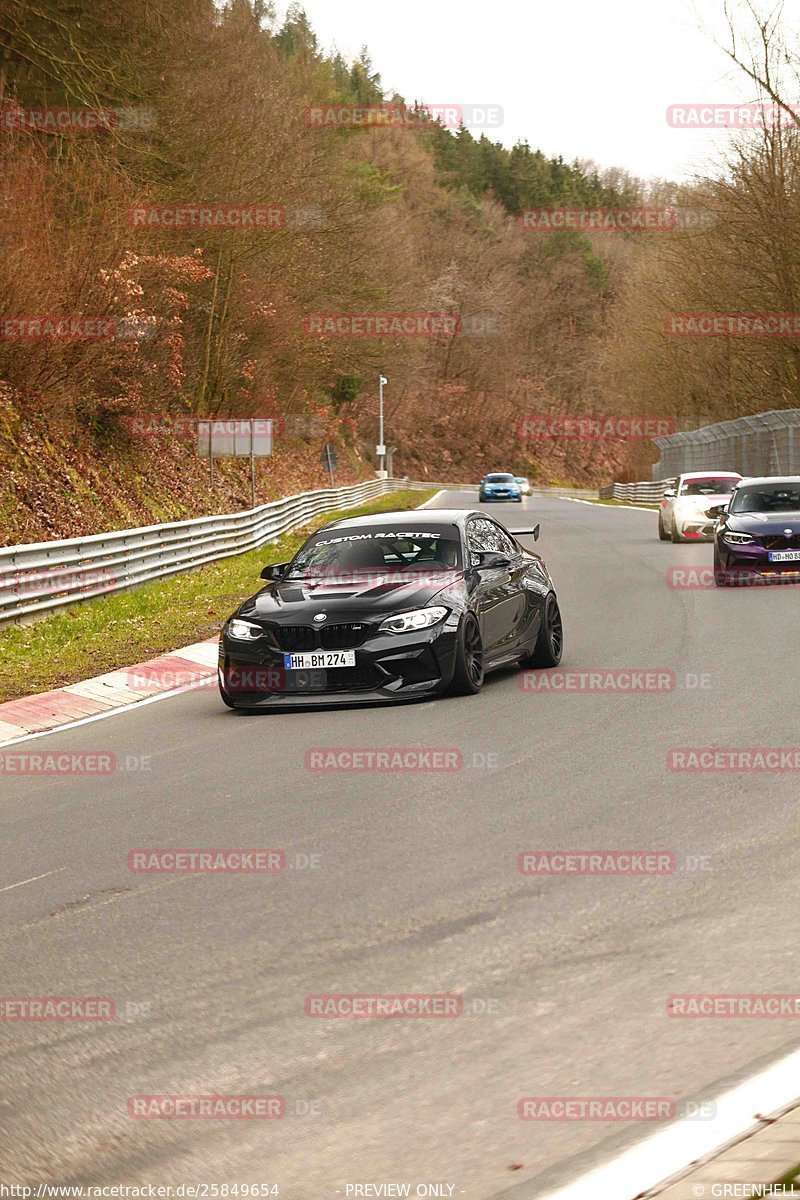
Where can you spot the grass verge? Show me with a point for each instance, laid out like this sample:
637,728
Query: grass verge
126,628
791,1177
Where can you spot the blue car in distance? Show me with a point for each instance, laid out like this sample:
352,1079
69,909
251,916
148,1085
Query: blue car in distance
500,485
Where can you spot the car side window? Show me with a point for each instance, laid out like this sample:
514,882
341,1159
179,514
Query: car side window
483,534
506,544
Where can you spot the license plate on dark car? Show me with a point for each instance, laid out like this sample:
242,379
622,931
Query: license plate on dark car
312,659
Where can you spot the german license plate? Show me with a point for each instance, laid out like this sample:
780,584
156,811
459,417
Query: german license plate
311,659
784,556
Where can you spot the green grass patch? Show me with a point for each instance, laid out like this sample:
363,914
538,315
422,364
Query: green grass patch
792,1176
126,628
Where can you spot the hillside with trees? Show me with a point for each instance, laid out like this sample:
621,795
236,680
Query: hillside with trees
207,107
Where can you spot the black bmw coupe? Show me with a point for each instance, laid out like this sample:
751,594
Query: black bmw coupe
391,607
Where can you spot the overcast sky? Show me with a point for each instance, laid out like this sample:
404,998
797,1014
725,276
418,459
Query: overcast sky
580,78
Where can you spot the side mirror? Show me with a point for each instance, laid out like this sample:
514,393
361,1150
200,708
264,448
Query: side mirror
274,572
716,512
671,493
492,560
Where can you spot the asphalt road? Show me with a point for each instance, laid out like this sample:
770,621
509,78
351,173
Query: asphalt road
408,883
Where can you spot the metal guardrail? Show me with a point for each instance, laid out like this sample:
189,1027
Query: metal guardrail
636,493
42,577
764,444
563,491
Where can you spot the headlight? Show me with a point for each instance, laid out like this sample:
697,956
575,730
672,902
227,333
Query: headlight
738,539
245,631
420,618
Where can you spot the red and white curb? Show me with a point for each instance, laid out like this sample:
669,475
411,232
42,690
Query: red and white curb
46,711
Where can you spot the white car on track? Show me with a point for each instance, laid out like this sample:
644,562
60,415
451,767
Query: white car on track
682,516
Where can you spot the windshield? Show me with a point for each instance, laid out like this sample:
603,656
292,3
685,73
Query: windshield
375,550
708,487
767,498
499,478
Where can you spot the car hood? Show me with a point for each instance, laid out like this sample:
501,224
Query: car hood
349,594
762,524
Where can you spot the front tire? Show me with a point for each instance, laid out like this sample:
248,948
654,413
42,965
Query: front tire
468,673
676,537
663,536
550,643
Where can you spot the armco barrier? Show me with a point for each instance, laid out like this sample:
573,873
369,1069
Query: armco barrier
42,577
649,492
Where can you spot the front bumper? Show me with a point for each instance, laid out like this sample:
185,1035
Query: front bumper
389,667
751,564
501,497
695,527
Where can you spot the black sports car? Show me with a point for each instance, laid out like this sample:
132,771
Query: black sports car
391,607
757,534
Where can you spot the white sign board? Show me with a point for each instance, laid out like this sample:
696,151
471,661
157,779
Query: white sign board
231,438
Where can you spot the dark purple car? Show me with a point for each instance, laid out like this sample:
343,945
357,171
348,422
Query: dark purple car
757,535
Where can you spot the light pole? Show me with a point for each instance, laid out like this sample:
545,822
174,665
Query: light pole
381,447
